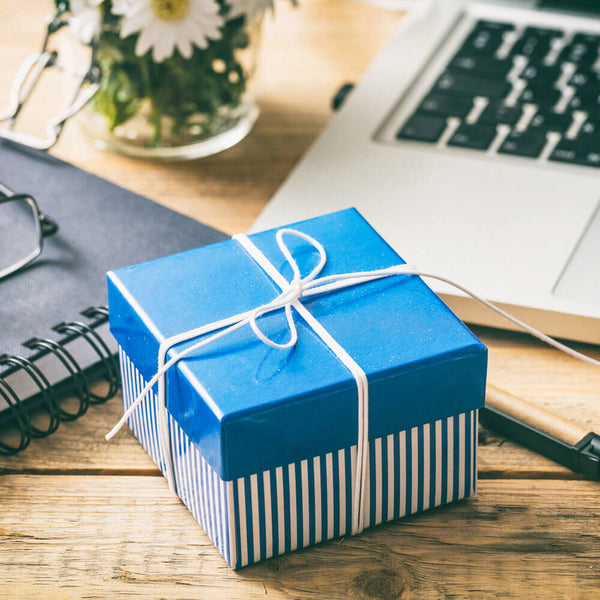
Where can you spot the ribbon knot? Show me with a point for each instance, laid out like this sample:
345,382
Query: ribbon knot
292,291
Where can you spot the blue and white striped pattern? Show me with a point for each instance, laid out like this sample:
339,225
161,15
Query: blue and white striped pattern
200,488
309,501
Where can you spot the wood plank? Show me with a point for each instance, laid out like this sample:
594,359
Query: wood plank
117,537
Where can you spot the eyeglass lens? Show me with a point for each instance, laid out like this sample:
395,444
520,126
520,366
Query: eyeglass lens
19,235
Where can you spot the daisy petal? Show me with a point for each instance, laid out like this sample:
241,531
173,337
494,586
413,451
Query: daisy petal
135,22
184,45
147,38
165,44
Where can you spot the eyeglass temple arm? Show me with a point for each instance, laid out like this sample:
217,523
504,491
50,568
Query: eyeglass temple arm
31,70
25,82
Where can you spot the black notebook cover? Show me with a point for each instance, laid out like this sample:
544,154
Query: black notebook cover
101,227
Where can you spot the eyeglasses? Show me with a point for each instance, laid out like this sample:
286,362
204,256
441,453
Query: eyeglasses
22,231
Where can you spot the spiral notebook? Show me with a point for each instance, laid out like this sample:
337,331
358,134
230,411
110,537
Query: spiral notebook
54,338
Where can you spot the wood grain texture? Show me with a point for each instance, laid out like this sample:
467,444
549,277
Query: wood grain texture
534,415
82,518
128,537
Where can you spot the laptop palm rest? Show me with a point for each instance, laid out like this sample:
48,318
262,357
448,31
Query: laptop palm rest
580,279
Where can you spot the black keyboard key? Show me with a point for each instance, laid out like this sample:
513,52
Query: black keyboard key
580,52
593,39
484,66
485,38
543,32
523,143
535,42
584,77
423,128
569,151
466,84
483,42
588,100
590,129
551,121
542,97
440,105
540,75
591,159
588,136
499,27
590,143
565,151
477,137
495,113
589,93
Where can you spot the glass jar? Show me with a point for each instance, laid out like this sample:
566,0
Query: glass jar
180,108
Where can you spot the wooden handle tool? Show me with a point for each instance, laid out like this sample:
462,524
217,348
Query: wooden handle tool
542,431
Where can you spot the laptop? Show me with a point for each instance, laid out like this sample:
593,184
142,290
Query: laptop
472,144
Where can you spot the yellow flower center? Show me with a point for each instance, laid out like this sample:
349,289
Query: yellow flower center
170,10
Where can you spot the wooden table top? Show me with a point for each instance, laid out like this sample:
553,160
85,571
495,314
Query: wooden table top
83,518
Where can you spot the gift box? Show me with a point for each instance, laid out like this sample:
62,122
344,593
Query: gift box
276,443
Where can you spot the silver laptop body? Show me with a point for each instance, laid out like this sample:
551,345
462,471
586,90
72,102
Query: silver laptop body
522,231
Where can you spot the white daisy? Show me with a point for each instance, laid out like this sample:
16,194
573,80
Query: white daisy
250,8
163,25
86,20
120,7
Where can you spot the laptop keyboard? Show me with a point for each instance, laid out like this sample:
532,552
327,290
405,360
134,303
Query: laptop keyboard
530,92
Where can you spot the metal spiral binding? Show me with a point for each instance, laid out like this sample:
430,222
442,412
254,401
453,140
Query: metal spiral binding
46,400
111,372
20,419
49,403
77,375
95,312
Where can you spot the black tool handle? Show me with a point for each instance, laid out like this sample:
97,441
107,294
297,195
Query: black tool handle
542,431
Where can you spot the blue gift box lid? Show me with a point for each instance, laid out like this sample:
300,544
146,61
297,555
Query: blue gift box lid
250,407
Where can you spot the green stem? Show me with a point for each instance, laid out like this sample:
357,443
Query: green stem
155,117
156,124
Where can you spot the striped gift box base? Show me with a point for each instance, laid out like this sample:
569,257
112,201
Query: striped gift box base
309,501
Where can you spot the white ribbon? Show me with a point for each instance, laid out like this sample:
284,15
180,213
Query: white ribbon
290,297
